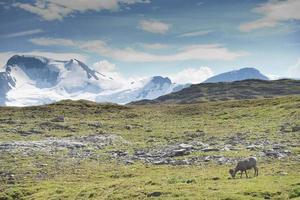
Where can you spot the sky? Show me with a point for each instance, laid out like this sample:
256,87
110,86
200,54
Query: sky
186,40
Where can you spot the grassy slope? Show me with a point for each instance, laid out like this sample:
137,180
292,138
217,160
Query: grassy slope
246,89
58,177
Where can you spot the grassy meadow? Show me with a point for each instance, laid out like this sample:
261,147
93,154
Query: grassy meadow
44,175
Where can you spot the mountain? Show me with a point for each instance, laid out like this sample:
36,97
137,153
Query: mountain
6,83
237,75
246,89
149,88
34,80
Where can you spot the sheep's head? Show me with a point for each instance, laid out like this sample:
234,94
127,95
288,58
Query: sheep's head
232,173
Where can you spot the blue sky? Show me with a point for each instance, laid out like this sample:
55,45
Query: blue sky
187,40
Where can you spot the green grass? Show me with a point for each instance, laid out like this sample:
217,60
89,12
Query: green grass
42,176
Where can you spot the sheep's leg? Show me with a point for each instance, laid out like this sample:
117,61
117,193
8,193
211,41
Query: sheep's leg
241,174
255,171
246,173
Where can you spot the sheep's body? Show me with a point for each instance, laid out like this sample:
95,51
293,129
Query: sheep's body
244,165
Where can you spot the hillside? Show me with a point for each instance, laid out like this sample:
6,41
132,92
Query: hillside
84,150
247,89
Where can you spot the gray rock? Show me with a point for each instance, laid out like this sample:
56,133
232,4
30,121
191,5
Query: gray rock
128,127
180,152
58,119
209,149
296,128
252,147
185,146
95,124
154,194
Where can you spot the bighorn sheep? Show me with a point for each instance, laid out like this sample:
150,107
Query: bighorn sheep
244,165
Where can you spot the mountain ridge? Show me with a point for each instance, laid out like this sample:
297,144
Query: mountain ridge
237,75
35,80
245,89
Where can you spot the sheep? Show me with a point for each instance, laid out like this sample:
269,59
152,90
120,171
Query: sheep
244,165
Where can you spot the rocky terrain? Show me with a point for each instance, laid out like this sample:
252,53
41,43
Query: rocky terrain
87,147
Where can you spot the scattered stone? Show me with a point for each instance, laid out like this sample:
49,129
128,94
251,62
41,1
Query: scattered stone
154,194
128,127
252,147
58,119
227,148
8,177
30,132
296,128
197,134
223,160
180,152
215,178
78,147
278,146
189,181
285,128
282,173
209,149
150,140
185,146
95,124
276,154
207,159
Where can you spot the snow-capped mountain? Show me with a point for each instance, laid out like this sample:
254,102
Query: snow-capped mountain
6,83
237,75
32,80
148,88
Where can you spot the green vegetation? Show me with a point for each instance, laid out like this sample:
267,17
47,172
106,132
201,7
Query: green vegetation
44,175
246,89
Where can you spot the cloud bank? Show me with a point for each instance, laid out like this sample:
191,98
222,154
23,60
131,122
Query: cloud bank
58,9
190,52
273,12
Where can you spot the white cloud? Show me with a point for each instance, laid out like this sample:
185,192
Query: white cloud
274,12
154,26
195,33
193,52
4,56
24,33
104,66
109,69
58,9
294,71
273,76
52,42
155,46
192,75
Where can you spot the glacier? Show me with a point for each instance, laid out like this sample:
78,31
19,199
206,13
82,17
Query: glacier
34,80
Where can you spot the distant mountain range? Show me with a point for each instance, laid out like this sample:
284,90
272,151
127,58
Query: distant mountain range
246,89
34,80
